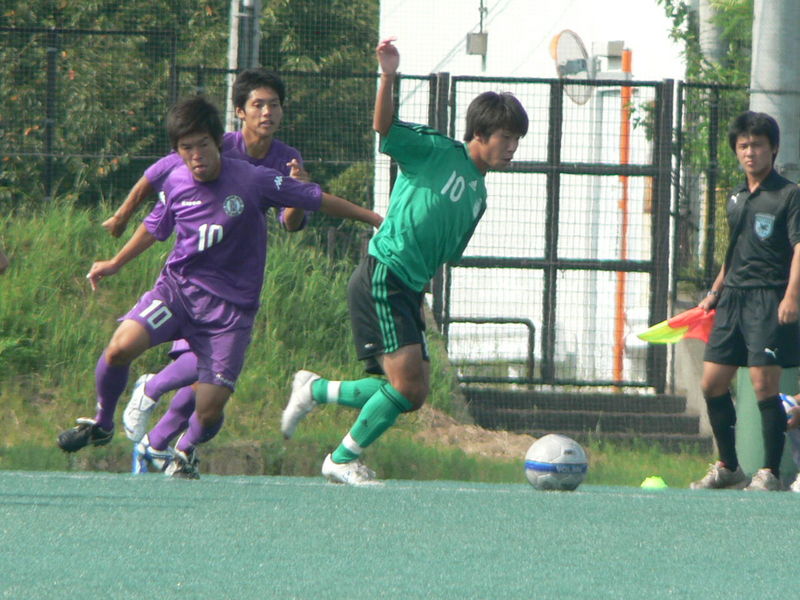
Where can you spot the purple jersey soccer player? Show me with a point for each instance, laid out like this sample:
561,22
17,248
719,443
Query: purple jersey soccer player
183,370
208,291
258,96
152,450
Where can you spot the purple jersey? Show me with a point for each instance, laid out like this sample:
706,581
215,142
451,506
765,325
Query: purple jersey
233,146
279,153
221,232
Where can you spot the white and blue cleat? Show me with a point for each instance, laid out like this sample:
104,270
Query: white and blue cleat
145,458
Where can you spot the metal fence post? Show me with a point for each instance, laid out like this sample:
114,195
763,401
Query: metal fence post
712,174
173,69
659,278
438,116
550,300
51,105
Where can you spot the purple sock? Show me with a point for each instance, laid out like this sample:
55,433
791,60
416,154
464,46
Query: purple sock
177,374
110,383
175,420
197,434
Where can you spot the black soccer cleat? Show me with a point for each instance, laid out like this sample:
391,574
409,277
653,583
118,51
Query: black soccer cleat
86,432
183,465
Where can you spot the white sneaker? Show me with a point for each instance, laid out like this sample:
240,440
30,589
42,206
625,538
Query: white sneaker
795,487
721,478
351,473
301,402
137,412
764,481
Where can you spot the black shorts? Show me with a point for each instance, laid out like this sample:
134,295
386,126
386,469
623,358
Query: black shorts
746,331
385,314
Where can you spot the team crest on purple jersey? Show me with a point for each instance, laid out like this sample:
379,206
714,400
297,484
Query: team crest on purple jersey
233,206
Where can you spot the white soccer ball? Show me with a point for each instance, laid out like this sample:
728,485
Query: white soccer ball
788,402
555,462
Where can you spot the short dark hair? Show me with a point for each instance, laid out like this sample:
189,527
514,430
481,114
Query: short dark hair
491,111
195,114
252,79
754,123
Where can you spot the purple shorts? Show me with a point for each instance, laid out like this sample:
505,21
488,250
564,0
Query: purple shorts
178,348
217,331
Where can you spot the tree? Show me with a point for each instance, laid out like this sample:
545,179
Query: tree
96,116
326,53
774,78
84,87
717,37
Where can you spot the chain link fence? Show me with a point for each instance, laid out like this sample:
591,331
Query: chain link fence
604,215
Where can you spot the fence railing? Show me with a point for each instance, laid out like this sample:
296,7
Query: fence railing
606,213
582,287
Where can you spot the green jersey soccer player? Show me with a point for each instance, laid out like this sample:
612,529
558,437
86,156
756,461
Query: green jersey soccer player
436,203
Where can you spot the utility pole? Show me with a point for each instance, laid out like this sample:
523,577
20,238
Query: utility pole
244,36
710,33
774,76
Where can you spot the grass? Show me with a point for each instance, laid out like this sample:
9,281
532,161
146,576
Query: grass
53,329
611,464
396,456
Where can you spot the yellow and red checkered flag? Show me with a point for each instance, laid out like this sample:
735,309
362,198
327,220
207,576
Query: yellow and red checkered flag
693,323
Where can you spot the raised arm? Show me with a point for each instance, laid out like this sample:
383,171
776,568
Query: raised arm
344,209
140,241
293,219
389,59
115,225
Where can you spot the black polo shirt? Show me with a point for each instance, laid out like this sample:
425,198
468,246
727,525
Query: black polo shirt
763,249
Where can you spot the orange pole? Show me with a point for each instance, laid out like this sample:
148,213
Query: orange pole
624,159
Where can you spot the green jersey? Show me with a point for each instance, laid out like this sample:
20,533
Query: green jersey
436,202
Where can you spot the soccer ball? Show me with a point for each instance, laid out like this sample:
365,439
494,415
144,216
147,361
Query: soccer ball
788,402
555,462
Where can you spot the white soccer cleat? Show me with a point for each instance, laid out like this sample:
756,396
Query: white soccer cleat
764,481
148,459
351,473
795,487
137,413
721,478
301,402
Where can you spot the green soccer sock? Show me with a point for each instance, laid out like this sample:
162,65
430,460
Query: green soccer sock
379,413
347,393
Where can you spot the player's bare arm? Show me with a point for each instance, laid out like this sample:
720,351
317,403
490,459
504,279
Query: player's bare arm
293,217
116,224
787,309
344,209
712,297
296,171
140,241
389,60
